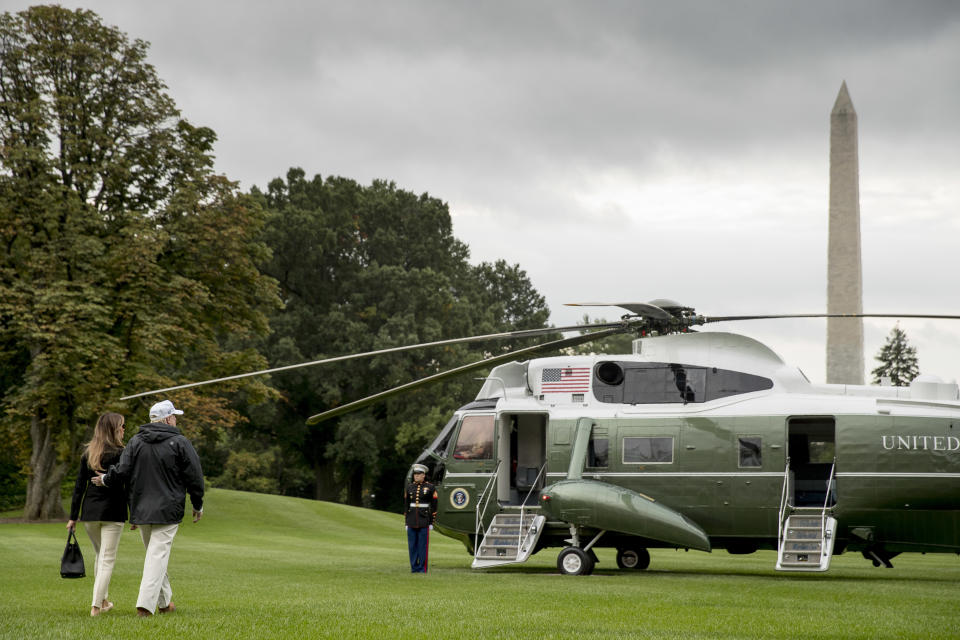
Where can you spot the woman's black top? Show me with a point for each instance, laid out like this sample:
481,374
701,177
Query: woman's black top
107,504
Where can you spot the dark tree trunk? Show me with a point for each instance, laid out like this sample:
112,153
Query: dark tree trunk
355,487
46,474
327,487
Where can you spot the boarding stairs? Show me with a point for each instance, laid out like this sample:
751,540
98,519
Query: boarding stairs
806,536
512,534
510,538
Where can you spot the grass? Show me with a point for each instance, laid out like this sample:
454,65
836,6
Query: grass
261,566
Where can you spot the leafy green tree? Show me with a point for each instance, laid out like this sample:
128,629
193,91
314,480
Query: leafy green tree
364,268
125,263
898,360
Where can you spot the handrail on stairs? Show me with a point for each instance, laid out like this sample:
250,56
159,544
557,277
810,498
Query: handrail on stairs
783,504
523,506
826,499
481,511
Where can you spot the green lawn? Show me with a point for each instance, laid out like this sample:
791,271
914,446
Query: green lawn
262,566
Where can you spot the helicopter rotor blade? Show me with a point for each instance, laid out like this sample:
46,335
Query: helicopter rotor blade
480,364
523,333
926,316
644,309
670,316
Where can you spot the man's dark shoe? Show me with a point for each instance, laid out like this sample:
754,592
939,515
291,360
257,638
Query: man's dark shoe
143,613
167,609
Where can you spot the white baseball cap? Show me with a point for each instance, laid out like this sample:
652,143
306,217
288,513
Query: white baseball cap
163,409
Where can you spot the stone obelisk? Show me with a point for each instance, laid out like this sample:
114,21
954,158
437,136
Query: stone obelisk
844,274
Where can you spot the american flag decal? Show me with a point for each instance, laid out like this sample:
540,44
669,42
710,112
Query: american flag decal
565,380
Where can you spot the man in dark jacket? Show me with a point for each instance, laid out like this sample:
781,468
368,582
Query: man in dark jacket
159,466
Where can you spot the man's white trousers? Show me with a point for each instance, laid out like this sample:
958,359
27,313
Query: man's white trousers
155,588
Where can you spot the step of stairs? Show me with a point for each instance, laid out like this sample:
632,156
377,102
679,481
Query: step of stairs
807,543
509,539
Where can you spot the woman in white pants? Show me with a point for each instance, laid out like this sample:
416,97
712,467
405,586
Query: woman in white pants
103,510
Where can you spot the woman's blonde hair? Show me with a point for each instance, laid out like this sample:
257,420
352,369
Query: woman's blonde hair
106,437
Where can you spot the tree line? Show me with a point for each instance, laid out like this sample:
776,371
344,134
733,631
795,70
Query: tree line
127,263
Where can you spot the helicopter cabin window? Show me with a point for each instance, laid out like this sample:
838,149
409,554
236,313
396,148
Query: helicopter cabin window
648,450
598,452
750,451
475,441
663,383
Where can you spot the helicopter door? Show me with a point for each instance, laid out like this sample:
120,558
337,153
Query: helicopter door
811,445
468,469
522,450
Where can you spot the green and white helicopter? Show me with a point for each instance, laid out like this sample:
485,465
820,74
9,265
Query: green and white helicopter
696,440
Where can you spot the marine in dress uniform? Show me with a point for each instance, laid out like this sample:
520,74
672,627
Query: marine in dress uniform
420,512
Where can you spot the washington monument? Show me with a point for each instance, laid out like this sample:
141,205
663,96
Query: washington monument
844,277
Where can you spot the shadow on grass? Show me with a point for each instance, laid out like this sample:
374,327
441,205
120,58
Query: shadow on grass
867,574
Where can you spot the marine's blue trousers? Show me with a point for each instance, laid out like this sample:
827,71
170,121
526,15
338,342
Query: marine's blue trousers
418,543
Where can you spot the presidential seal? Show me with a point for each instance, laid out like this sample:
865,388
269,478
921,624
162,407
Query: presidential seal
459,498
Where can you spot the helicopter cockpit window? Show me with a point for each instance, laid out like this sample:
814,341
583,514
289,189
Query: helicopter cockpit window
475,441
644,450
598,452
750,451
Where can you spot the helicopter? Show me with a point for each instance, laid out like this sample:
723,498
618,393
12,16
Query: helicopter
695,440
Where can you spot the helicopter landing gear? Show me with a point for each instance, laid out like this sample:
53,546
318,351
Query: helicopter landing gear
574,561
636,559
879,557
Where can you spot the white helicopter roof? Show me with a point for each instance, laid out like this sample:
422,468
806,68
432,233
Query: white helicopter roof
729,351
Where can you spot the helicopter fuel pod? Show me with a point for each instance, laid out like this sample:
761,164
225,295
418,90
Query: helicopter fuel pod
696,441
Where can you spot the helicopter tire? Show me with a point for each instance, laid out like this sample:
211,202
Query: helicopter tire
574,561
633,559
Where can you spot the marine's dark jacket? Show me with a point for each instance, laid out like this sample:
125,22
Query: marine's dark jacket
159,466
107,504
420,504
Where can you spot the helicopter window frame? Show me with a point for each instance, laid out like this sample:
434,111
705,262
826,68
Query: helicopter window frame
475,448
747,454
655,452
441,444
598,455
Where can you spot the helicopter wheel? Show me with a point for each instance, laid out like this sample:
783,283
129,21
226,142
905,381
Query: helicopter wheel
574,561
637,559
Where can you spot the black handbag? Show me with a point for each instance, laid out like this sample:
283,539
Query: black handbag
71,564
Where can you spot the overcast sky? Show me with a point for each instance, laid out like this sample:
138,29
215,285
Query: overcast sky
618,151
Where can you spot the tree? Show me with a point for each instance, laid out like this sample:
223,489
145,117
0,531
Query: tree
898,360
124,261
363,268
